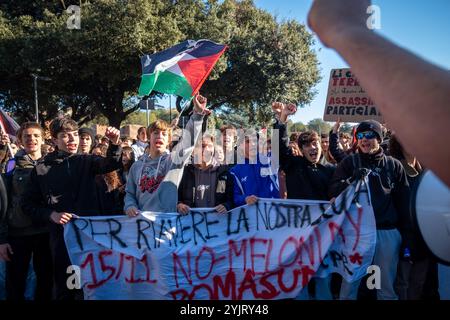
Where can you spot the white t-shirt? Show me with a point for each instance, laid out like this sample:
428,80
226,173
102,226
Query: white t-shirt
138,149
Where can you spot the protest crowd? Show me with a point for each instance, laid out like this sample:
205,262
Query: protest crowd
110,177
56,173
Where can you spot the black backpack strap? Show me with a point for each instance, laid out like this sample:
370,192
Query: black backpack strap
390,169
356,160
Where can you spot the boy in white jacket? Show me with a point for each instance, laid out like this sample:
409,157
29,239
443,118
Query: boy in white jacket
153,181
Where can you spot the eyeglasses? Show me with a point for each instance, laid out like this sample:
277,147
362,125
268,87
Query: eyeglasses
368,135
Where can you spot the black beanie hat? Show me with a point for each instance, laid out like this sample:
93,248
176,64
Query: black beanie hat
88,131
371,125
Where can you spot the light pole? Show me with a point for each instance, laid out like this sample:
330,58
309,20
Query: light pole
148,120
147,105
170,108
36,104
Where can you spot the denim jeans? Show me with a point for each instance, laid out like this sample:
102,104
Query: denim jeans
386,258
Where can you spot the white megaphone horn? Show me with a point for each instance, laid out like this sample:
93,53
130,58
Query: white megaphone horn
431,214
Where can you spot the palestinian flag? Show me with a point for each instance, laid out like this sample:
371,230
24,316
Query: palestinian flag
8,125
181,69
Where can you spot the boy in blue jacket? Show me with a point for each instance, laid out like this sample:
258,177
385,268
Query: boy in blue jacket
254,177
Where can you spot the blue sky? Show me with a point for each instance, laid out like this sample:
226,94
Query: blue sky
420,26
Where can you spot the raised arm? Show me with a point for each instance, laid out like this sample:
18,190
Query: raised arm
282,112
337,153
191,133
418,98
113,160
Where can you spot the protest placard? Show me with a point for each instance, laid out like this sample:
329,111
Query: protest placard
347,100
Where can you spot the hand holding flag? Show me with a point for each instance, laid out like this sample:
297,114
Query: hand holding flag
5,139
9,127
200,105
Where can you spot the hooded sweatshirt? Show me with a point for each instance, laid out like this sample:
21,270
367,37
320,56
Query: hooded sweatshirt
153,183
206,188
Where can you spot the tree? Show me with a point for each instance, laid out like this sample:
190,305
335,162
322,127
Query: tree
97,65
347,128
266,60
96,69
319,125
238,119
296,127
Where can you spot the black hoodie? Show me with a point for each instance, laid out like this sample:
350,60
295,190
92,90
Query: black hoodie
223,186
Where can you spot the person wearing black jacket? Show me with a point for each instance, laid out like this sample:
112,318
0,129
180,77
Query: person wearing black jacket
62,185
110,189
417,265
20,240
306,177
389,192
205,183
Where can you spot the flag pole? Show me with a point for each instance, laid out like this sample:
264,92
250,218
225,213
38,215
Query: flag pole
182,110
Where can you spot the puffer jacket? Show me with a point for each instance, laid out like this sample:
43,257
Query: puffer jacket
16,222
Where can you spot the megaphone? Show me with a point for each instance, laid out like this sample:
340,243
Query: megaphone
431,214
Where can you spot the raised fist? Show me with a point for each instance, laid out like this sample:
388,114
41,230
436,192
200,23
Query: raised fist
337,126
347,15
277,107
113,135
200,105
290,109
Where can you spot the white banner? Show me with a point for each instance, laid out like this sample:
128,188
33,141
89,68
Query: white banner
265,251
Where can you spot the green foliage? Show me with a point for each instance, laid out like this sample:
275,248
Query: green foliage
296,127
140,117
319,125
95,70
347,128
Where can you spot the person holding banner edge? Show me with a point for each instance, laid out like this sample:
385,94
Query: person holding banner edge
389,192
205,183
254,177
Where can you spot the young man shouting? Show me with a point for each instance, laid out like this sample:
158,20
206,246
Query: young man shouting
306,177
63,184
389,192
153,180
